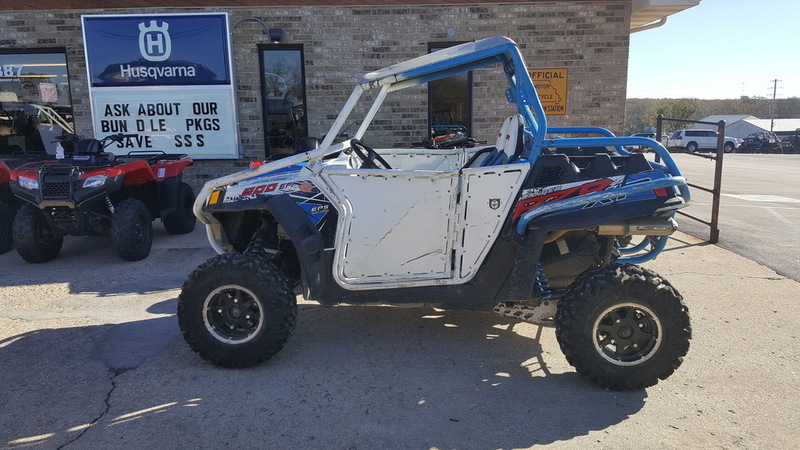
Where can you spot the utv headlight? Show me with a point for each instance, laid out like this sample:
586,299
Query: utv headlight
29,183
94,181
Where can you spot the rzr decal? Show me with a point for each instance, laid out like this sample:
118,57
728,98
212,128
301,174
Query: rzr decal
533,198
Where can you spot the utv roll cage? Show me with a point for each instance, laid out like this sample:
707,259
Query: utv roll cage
520,91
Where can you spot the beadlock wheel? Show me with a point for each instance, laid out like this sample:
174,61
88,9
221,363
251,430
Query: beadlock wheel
236,310
232,314
623,327
627,334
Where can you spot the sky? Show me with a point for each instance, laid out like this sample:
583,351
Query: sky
719,49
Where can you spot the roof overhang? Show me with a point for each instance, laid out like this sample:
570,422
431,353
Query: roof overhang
647,14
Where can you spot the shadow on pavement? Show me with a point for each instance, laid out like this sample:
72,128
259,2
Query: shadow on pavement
350,377
89,264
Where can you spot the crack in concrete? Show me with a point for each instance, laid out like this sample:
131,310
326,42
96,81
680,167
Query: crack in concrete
112,377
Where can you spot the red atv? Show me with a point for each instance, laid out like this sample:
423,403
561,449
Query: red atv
7,204
87,190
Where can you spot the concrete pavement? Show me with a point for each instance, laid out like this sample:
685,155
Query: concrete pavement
91,357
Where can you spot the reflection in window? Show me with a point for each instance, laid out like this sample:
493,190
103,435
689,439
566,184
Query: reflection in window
35,103
284,98
449,102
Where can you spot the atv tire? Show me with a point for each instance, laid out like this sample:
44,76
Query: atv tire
623,327
36,241
6,228
182,219
236,310
132,229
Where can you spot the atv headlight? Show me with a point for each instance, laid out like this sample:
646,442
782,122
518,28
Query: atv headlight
29,183
94,181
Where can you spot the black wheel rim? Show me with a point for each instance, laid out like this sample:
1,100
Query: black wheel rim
232,314
138,230
627,334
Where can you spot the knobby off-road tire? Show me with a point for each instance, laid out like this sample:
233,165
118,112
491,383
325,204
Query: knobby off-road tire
132,229
36,241
236,310
6,228
623,327
182,220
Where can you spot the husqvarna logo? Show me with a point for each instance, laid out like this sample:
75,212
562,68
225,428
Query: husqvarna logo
154,41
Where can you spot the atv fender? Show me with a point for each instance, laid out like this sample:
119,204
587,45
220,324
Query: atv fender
307,240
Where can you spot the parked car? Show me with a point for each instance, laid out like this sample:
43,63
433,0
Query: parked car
762,142
696,140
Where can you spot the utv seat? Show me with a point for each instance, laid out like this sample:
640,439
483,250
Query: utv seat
509,142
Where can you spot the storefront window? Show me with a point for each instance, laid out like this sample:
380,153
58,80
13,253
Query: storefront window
35,103
284,98
449,100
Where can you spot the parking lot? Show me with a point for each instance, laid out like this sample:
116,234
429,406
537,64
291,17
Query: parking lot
92,357
759,207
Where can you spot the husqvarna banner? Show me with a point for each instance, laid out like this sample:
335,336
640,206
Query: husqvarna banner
166,78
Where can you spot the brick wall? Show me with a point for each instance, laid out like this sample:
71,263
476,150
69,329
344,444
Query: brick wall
590,39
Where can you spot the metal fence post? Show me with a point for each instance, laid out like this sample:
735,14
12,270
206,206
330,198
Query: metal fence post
714,235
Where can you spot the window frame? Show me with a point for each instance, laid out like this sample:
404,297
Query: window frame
70,119
263,49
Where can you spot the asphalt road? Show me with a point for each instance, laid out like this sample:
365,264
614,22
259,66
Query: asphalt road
759,209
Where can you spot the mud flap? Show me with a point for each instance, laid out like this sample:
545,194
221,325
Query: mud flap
307,240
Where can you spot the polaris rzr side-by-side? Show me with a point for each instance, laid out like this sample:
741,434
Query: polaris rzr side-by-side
87,190
536,227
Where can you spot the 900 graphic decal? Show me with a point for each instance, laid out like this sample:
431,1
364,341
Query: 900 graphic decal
303,192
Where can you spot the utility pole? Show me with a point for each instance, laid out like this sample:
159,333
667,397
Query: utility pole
774,106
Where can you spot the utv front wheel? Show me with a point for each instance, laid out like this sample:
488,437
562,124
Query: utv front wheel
132,229
182,219
623,327
236,310
36,241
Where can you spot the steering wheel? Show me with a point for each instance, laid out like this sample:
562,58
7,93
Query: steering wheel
367,155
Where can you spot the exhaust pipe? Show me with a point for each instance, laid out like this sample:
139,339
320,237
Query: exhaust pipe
648,226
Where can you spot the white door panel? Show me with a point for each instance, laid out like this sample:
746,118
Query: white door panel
487,197
396,228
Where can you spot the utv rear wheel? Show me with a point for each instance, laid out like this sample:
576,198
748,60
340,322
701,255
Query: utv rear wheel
182,219
623,327
132,229
236,310
36,241
6,228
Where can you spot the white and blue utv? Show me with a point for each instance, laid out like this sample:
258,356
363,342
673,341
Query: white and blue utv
537,226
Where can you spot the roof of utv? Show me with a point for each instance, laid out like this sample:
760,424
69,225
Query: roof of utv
442,63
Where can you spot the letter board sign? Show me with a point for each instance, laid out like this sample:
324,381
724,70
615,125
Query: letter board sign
166,78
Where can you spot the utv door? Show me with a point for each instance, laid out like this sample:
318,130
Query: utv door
417,228
395,227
